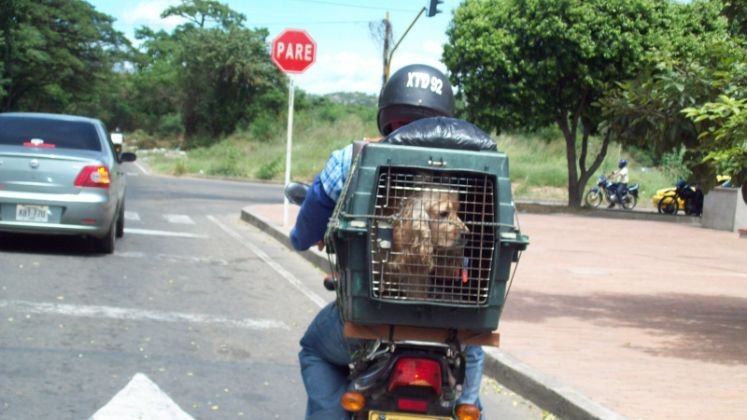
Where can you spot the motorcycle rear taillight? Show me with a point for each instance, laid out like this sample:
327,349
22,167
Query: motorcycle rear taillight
407,404
416,372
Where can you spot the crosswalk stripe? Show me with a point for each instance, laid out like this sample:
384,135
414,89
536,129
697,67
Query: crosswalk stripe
164,233
179,219
131,215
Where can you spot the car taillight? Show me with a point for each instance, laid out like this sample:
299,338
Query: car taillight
96,176
409,371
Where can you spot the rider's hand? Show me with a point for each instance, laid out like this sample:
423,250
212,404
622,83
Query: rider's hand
320,245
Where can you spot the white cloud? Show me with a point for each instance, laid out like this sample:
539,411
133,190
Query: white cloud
362,71
148,13
349,72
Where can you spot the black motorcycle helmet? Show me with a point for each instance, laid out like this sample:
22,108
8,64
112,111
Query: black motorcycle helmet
411,93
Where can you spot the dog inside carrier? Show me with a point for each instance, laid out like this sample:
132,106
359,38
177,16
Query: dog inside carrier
433,237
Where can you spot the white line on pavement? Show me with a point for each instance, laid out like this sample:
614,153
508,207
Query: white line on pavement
179,218
172,258
141,399
142,168
163,233
132,314
274,265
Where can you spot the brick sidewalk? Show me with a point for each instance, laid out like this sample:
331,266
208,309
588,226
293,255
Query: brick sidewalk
646,318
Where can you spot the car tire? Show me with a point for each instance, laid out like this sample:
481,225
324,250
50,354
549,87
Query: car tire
105,245
120,221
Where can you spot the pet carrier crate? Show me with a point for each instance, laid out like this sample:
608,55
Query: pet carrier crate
425,237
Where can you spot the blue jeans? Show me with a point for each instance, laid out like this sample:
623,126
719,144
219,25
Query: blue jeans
324,358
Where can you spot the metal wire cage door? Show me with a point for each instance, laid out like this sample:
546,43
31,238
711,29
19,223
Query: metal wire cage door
433,237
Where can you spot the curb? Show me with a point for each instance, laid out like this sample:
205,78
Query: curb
551,208
544,391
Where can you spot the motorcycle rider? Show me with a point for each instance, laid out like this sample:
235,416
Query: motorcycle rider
620,177
325,352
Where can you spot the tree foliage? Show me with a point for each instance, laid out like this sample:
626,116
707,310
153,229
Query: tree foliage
699,72
201,12
56,55
532,63
736,12
216,77
724,135
206,78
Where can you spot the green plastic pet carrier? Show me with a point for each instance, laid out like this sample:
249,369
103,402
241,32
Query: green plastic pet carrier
425,237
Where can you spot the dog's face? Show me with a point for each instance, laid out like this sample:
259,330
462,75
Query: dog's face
429,222
447,230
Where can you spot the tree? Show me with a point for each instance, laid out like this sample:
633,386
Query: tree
201,12
724,136
700,64
221,74
533,63
55,54
736,12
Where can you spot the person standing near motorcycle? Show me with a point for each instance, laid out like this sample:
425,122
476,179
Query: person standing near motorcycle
325,352
620,176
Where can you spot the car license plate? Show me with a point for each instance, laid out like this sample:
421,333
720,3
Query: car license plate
32,213
380,415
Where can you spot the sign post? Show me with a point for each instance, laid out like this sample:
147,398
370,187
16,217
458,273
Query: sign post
293,51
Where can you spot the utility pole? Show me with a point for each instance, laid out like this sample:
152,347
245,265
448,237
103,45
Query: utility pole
432,10
388,58
387,36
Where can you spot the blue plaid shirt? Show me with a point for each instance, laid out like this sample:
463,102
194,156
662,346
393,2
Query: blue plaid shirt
333,175
320,200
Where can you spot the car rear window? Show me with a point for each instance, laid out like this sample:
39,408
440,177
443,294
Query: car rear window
48,133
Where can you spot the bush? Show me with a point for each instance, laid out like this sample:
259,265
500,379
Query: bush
170,125
673,164
263,127
269,169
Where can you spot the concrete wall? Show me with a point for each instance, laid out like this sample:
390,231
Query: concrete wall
740,218
725,209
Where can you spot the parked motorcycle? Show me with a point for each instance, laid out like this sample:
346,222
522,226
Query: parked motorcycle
685,197
399,377
607,190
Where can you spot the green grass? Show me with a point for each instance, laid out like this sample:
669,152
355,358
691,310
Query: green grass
537,161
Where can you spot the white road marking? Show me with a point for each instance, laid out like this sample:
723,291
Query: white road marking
133,314
141,399
172,258
179,218
131,215
133,173
275,266
164,233
142,168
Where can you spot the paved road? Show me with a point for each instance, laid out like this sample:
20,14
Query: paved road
196,315
610,317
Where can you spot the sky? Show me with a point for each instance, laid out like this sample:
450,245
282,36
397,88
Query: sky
348,54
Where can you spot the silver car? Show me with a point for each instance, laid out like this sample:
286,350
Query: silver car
60,175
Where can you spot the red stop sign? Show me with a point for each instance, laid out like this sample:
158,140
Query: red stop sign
293,51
